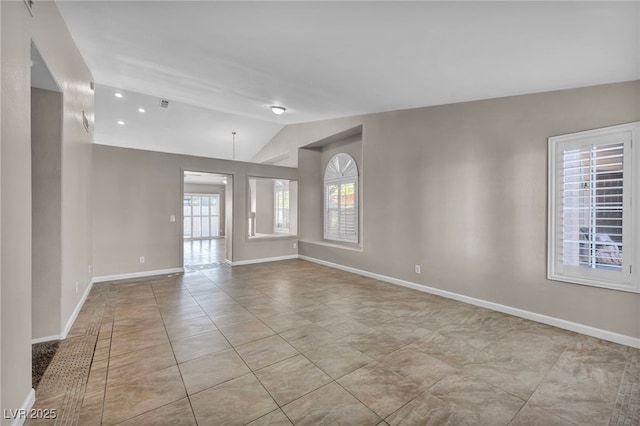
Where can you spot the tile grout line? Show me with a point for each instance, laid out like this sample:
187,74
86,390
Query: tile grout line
302,353
106,379
240,356
109,357
193,413
333,380
276,362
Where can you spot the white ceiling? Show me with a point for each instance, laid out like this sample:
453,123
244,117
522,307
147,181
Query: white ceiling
222,64
179,129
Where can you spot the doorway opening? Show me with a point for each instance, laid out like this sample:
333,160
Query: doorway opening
206,220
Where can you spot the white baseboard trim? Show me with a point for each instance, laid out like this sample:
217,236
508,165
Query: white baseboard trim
105,278
45,339
263,260
20,415
545,319
76,311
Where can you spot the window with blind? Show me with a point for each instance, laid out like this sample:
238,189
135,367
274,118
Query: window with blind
590,217
341,199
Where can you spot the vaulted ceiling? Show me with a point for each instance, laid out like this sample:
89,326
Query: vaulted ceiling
222,64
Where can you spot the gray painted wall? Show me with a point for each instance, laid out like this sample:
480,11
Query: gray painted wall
139,190
461,190
46,195
49,33
1,240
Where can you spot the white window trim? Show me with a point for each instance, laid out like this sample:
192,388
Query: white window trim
352,178
628,279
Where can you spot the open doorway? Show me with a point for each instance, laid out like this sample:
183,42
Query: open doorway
205,217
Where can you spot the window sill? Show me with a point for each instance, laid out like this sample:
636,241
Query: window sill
345,246
629,288
271,237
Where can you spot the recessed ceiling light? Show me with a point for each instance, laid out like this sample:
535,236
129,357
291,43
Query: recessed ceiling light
140,109
278,110
120,122
118,95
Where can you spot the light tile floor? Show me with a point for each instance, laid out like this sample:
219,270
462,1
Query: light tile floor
203,254
295,342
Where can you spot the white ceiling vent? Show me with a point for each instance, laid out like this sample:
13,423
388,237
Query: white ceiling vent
164,103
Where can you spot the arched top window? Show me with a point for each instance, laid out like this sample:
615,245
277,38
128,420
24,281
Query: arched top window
341,199
341,166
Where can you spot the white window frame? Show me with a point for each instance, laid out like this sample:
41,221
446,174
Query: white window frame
624,279
281,186
340,170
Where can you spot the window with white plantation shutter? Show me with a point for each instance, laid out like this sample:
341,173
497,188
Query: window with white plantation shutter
341,199
590,233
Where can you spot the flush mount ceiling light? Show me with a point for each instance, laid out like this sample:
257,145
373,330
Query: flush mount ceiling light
140,109
278,110
118,95
120,122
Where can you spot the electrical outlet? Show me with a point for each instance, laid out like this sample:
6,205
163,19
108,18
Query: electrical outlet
418,269
295,245
141,259
89,268
172,218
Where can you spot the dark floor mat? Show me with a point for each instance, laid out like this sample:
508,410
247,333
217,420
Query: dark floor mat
41,355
